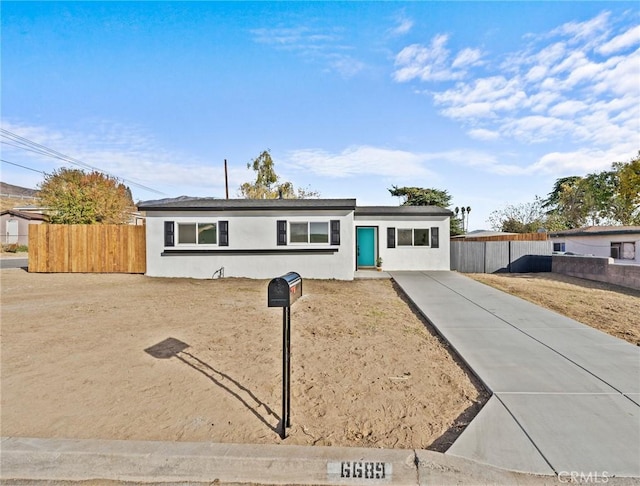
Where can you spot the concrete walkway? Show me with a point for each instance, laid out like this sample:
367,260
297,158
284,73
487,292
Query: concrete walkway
566,397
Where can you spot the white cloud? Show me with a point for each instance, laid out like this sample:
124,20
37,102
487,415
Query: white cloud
125,152
433,62
575,85
293,37
483,134
536,128
567,108
358,161
403,25
577,162
346,65
467,57
620,78
584,31
481,99
620,42
323,46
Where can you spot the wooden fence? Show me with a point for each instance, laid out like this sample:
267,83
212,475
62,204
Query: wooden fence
87,248
513,237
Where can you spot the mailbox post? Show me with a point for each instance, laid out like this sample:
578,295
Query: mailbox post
282,292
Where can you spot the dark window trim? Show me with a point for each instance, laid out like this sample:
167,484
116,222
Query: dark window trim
169,233
281,236
223,233
334,229
391,237
435,237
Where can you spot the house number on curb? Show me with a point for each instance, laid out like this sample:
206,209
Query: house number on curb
359,470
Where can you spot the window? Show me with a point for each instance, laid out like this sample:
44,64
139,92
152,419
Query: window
623,250
306,232
420,237
405,237
413,237
197,234
299,232
558,247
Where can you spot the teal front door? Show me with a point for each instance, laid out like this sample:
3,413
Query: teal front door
365,243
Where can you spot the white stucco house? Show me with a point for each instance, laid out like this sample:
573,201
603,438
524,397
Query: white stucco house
622,243
265,238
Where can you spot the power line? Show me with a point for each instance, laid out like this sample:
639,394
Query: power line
31,146
23,166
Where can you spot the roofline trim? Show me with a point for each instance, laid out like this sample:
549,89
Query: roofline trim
594,233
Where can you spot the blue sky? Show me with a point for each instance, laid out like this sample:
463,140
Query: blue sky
491,101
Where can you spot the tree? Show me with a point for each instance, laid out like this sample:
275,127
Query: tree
626,201
267,184
76,197
524,218
418,196
607,197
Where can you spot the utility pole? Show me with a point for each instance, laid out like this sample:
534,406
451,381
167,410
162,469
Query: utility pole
226,178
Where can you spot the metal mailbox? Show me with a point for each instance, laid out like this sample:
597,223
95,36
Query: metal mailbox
284,291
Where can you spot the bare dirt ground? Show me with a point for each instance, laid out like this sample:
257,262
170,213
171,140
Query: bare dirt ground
132,357
609,308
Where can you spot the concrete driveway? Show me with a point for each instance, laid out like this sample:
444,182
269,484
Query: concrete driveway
566,397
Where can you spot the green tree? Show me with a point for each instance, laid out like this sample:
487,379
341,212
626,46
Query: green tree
268,185
76,197
524,218
418,196
626,201
607,197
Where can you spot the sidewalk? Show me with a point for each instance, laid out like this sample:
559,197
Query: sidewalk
566,397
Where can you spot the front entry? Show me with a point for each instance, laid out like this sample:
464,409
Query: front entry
366,247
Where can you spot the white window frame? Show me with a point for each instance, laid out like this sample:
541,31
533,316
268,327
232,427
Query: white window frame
413,238
309,242
620,245
197,226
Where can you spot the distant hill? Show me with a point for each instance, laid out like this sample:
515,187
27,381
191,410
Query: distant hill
15,196
11,190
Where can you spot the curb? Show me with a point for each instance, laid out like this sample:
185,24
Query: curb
150,462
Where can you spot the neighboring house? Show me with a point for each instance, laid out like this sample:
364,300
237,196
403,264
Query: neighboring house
622,243
15,225
265,238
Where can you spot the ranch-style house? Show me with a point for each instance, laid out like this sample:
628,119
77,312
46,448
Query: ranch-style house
263,238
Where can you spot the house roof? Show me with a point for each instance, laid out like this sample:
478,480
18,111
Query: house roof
402,211
483,234
214,204
597,230
25,215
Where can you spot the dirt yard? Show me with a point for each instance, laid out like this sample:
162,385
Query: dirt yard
612,309
132,357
